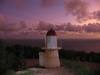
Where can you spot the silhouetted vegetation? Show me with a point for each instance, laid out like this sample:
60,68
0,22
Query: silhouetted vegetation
11,56
79,55
76,68
72,60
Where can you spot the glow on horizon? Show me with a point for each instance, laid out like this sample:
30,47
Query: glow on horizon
89,22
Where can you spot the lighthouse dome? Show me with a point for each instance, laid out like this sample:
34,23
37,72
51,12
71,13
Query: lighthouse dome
51,32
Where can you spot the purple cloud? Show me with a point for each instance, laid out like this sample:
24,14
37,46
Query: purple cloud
4,26
96,15
47,3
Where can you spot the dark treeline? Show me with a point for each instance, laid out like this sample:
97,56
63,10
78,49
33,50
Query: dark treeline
11,56
79,55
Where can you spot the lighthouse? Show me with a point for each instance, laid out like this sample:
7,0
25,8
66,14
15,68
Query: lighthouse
50,56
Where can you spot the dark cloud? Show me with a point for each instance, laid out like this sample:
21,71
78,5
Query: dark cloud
96,15
91,27
44,26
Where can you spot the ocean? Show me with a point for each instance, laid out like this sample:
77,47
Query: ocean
87,45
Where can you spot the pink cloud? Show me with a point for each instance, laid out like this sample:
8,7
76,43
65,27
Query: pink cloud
4,26
78,8
2,19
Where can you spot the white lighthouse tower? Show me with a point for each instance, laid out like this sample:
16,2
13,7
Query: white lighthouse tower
50,57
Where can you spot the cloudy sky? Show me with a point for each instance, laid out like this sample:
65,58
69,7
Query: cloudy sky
52,11
15,14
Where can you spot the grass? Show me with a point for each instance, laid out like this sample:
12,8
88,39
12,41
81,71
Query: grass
26,72
76,68
10,72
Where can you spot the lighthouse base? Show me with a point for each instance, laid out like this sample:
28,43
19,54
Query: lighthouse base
51,59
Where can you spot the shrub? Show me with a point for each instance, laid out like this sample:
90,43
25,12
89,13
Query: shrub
27,73
76,68
10,72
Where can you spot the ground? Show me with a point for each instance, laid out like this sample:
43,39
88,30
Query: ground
44,71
